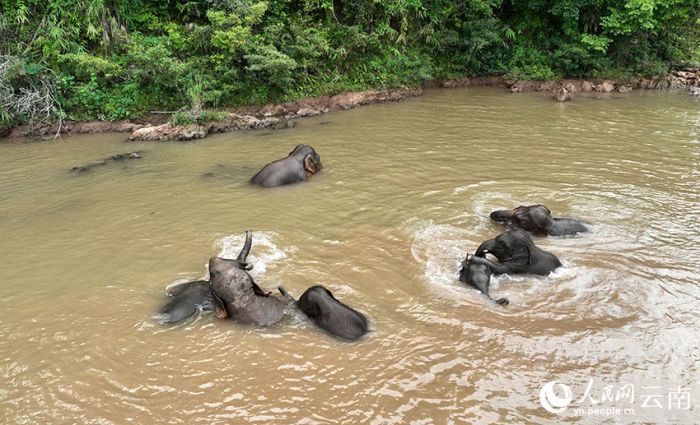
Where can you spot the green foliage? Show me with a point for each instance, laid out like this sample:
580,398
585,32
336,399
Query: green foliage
182,118
205,116
528,63
118,59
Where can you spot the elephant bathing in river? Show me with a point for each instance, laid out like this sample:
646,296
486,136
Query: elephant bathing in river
478,275
538,220
516,253
301,163
231,291
329,314
237,296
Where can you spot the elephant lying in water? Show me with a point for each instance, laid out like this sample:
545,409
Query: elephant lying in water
187,299
538,220
329,314
516,253
237,296
301,163
478,275
231,291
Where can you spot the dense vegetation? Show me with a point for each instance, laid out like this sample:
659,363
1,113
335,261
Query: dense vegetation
113,59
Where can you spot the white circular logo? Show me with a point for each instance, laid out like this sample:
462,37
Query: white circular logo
551,401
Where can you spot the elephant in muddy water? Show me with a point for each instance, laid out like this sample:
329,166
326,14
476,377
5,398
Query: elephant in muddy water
230,290
517,254
329,314
187,299
538,220
237,296
478,275
301,163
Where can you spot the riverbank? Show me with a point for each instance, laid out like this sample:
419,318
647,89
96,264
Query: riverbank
283,115
273,115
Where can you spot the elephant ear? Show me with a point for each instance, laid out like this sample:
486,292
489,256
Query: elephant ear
529,254
219,305
309,165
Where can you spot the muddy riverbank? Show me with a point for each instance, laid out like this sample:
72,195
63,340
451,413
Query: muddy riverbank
282,115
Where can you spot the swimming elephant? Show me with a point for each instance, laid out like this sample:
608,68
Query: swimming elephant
187,299
516,253
190,297
538,220
478,275
237,296
301,163
329,314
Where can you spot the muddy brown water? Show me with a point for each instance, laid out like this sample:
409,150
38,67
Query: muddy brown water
405,193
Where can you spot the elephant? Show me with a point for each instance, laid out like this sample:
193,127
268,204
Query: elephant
237,296
190,297
329,314
516,253
301,163
538,220
478,275
187,299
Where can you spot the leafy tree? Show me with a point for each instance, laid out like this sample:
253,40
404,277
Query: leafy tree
115,59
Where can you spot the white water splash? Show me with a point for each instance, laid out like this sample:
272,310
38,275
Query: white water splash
263,252
461,189
440,249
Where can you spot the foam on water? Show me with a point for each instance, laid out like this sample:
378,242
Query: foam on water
264,251
440,250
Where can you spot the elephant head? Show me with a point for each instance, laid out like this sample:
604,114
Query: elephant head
535,218
308,156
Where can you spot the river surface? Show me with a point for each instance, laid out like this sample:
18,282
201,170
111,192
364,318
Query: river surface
405,193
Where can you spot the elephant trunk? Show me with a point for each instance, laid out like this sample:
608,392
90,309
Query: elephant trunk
246,248
485,248
286,294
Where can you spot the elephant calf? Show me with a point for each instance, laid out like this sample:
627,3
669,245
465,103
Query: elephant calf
516,253
329,314
478,275
301,163
538,220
